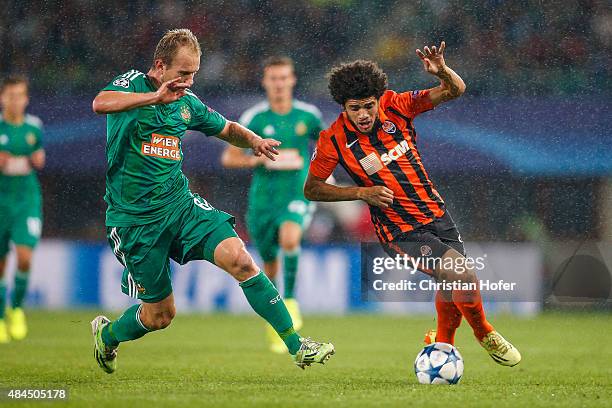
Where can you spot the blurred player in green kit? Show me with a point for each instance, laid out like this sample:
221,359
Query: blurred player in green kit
21,154
278,213
153,216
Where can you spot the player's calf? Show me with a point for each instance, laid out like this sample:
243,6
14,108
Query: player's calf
4,335
24,257
290,236
134,323
24,264
265,300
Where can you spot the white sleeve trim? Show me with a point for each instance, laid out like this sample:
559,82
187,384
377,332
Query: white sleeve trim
249,114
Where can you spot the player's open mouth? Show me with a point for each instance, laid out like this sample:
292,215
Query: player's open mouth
364,125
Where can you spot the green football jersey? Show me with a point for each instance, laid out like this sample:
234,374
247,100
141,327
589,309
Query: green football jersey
144,177
18,181
278,183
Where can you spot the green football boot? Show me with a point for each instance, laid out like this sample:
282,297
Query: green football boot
105,356
312,352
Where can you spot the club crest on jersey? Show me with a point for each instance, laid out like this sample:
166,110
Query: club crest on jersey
268,130
122,82
31,138
163,147
3,139
301,129
141,290
185,114
388,127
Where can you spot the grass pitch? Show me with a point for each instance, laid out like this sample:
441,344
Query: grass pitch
222,360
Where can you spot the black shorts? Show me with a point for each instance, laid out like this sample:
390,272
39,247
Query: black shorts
430,240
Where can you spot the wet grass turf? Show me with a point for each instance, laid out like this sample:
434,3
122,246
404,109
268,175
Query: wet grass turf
222,360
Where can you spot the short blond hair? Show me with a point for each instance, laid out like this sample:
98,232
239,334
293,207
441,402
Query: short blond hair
275,61
172,41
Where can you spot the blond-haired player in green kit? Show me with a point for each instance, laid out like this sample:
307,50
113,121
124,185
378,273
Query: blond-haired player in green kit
278,212
152,215
21,154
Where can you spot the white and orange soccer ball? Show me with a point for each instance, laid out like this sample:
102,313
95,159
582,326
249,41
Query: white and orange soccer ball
439,363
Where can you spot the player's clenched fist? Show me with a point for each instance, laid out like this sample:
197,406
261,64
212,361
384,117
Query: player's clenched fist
379,196
171,91
267,147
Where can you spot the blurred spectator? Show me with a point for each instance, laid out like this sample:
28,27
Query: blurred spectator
528,46
500,47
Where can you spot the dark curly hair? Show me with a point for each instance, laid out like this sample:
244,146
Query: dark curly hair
356,80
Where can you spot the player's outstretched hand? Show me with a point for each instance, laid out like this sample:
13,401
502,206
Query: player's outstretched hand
433,58
267,147
379,196
171,91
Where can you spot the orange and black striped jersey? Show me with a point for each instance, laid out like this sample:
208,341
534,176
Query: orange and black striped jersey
387,157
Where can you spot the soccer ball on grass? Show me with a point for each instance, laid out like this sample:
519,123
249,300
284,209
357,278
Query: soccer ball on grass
439,363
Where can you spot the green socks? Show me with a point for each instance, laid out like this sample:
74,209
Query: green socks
261,295
266,302
290,267
127,327
20,289
2,297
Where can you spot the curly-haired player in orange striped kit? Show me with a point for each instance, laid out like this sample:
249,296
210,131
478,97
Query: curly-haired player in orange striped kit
374,140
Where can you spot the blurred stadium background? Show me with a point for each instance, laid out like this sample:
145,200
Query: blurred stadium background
523,160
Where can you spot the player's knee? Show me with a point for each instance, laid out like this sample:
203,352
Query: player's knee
163,319
158,319
271,270
290,244
461,274
24,264
290,236
160,323
242,267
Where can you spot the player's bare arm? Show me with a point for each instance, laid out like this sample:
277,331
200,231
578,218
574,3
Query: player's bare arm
115,101
317,189
4,157
236,134
38,159
451,84
236,158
